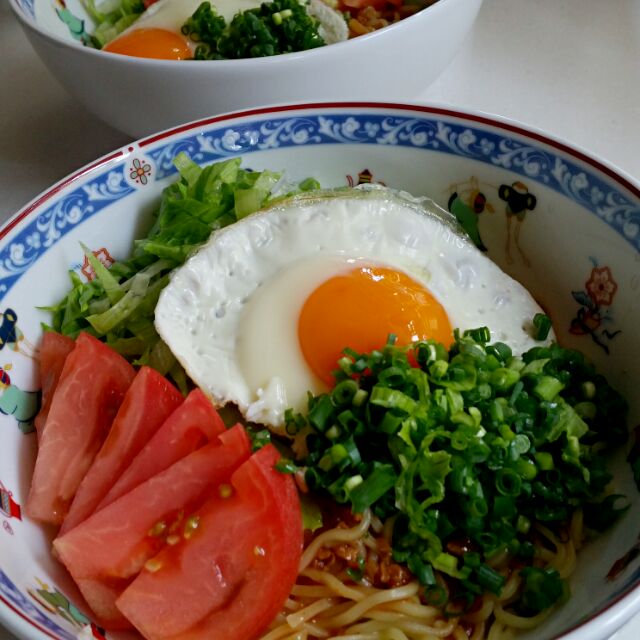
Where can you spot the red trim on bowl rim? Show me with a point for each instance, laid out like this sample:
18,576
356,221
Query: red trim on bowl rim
611,173
27,619
58,187
488,120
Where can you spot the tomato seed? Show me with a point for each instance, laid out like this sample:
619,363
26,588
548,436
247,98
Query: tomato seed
158,529
153,565
173,539
225,490
190,526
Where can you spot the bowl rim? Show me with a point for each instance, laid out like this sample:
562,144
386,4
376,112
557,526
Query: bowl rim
116,58
626,603
610,169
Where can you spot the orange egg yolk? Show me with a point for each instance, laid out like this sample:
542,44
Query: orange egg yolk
151,43
359,309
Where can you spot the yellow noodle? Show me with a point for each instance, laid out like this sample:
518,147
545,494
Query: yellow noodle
459,634
498,631
376,524
412,631
333,536
316,631
568,565
511,587
414,609
439,629
519,622
392,634
547,533
383,595
325,605
499,559
544,554
336,585
478,631
485,610
296,619
312,591
281,632
387,529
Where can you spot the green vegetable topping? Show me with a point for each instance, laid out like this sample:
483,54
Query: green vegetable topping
542,589
111,18
472,444
280,26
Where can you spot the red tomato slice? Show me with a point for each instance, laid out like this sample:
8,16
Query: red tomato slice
106,552
89,393
150,400
232,576
53,352
191,425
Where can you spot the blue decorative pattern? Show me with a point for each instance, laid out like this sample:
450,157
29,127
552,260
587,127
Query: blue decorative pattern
429,132
27,7
45,230
9,591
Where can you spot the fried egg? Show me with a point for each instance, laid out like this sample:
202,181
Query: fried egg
259,315
157,33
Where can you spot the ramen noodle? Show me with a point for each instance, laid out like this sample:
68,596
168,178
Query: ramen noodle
326,603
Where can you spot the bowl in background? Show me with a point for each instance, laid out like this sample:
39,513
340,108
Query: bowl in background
139,96
561,222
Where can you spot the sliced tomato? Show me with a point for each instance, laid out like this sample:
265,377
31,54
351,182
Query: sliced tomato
150,400
89,393
105,552
232,576
194,423
53,352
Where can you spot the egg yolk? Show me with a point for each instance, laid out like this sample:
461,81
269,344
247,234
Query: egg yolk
359,309
151,43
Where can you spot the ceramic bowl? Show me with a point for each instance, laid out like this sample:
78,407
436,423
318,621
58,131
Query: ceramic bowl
139,96
573,240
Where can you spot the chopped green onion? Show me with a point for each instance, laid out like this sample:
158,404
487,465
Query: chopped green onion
542,326
490,579
373,487
548,388
344,392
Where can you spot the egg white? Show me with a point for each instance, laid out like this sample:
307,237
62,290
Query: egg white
230,313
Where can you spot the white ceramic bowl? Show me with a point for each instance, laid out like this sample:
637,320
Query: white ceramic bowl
140,96
577,249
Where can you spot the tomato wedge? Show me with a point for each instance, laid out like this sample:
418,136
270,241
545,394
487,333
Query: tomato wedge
53,352
150,400
105,552
191,425
89,393
230,578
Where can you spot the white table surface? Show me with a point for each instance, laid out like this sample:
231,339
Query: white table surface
570,67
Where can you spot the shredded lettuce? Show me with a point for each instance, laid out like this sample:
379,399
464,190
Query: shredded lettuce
118,304
111,18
